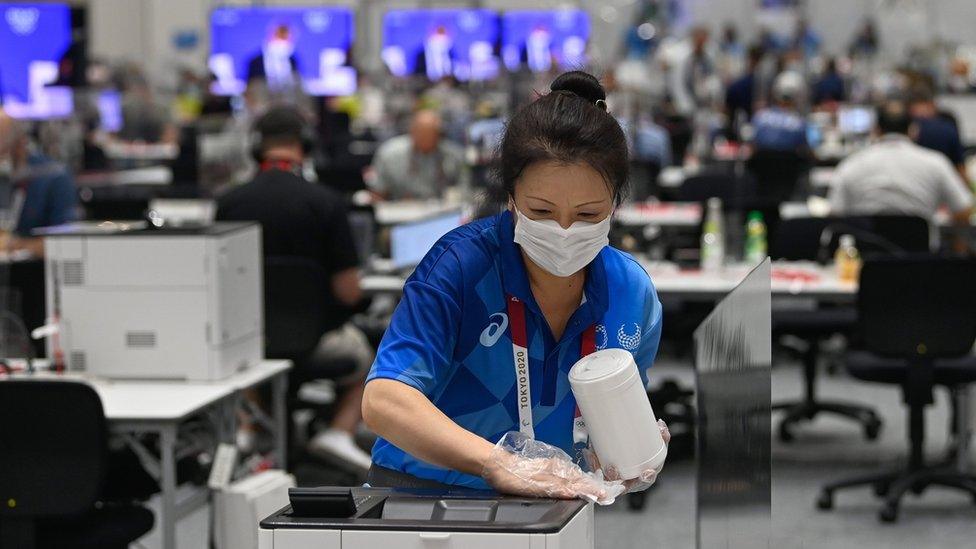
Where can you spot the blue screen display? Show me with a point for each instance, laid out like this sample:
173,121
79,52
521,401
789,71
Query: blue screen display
442,42
33,37
541,39
275,44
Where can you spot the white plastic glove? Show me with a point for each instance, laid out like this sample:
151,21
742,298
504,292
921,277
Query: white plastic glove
522,466
639,484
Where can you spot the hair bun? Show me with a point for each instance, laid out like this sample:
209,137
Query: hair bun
580,83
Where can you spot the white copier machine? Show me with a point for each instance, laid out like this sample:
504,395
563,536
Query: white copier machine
387,518
132,301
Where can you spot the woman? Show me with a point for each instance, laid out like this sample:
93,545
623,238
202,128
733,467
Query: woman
449,378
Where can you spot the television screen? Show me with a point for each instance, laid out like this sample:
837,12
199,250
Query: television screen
33,38
541,39
285,46
441,42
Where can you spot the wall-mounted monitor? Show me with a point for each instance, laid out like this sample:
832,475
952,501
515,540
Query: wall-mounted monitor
462,43
285,47
33,39
541,40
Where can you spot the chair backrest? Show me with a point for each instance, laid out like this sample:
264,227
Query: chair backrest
776,172
53,449
918,307
297,299
817,238
733,191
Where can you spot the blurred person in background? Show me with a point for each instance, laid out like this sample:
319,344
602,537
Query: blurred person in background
143,119
935,130
781,127
895,176
732,51
34,190
300,219
420,165
691,73
806,40
829,88
741,95
865,43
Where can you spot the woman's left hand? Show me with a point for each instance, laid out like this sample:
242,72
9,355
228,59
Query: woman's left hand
642,482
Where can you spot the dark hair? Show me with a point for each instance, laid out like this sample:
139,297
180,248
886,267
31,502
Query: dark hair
568,125
279,126
893,118
920,93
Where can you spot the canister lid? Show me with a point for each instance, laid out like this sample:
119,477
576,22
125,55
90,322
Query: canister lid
608,368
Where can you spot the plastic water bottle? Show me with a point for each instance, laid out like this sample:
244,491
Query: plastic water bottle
713,237
848,260
756,246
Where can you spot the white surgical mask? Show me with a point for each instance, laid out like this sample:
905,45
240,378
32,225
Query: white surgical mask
560,251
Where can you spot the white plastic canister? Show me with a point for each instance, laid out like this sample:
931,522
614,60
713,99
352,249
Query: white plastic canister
617,413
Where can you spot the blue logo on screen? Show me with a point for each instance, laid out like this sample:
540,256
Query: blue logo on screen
22,21
317,21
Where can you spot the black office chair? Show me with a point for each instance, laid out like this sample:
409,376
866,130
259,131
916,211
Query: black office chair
816,239
735,192
918,323
777,173
297,302
53,464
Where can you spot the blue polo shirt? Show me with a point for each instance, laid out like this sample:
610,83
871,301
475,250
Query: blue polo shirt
449,338
779,130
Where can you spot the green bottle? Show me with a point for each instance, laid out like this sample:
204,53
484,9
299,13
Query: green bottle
755,238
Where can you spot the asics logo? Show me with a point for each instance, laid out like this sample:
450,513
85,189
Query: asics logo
494,331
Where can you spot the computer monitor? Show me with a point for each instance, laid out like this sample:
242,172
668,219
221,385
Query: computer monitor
538,38
109,103
410,242
33,39
274,44
855,120
442,42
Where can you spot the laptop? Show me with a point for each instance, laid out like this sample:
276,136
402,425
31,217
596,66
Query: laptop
410,242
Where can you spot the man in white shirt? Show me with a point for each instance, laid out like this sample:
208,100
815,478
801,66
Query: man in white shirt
896,176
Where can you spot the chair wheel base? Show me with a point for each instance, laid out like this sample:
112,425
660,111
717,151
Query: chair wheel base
888,514
826,501
872,429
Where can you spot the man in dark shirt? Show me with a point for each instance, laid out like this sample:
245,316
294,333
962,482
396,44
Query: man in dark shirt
299,218
740,96
934,130
830,87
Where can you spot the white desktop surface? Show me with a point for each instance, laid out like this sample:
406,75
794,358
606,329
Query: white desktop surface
789,278
405,211
163,400
660,214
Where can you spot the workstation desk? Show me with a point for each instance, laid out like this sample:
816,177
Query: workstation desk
134,408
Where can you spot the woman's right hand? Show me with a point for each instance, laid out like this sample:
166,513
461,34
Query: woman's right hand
533,473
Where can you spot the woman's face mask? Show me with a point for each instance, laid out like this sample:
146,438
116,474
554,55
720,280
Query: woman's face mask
561,252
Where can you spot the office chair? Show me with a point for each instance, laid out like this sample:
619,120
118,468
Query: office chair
777,173
918,320
816,239
297,300
735,192
53,467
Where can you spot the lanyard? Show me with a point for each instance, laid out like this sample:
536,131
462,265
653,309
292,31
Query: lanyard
283,165
520,357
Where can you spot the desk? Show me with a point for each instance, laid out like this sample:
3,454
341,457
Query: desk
659,214
153,175
789,279
405,211
136,408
